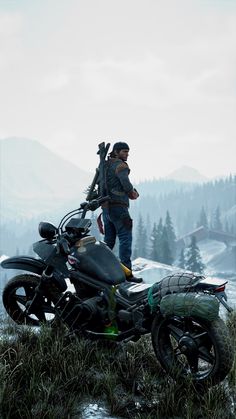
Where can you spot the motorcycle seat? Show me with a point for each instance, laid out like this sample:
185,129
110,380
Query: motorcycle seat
133,292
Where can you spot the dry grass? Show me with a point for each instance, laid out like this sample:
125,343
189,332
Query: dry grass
44,377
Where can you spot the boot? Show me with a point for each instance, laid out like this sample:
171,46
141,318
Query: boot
132,278
129,275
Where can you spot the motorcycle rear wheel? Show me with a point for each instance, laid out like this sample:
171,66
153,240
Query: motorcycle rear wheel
18,292
193,348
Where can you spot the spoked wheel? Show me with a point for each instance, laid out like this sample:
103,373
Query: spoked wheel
189,347
17,295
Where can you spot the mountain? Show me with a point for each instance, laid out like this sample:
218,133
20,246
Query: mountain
187,174
34,180
183,179
162,186
185,204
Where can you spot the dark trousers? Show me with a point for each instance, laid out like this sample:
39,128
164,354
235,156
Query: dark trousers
117,222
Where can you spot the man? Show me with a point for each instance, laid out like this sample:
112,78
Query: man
116,217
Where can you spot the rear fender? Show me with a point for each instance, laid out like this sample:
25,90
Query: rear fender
210,284
24,263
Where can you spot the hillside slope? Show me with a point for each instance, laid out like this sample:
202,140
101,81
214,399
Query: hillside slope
35,180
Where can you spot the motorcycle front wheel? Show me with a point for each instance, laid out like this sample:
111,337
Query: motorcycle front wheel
18,293
193,348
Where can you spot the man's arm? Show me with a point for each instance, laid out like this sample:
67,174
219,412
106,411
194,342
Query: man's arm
122,172
133,194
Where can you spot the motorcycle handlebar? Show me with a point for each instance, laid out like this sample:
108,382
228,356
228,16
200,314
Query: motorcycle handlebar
84,207
94,204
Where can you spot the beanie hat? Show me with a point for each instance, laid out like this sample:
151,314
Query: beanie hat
120,146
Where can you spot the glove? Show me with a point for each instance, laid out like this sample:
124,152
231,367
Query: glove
133,194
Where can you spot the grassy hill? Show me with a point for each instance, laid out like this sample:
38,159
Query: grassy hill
45,376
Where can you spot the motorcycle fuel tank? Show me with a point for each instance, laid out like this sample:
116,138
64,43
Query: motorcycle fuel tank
96,259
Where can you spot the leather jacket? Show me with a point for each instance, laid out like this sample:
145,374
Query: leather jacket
118,184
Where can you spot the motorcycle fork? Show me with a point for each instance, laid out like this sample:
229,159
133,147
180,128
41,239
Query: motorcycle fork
39,291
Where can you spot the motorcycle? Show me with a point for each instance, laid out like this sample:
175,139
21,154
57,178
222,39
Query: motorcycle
78,280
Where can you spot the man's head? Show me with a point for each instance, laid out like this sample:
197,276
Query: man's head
121,150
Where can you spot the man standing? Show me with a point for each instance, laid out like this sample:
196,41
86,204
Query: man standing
116,217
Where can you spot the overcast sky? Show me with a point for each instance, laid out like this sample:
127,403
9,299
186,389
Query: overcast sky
158,74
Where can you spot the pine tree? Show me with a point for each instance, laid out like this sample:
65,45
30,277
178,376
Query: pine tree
202,219
170,234
154,251
182,262
31,251
159,242
227,226
148,234
135,252
166,250
217,224
140,249
193,257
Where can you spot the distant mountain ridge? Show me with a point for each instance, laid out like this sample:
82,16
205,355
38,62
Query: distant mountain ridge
35,180
187,174
185,178
162,186
185,202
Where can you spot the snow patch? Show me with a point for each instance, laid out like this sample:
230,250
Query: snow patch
209,249
3,257
152,272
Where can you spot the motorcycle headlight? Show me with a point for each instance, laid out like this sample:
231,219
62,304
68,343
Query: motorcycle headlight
47,230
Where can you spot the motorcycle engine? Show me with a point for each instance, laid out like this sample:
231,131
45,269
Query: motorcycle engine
77,313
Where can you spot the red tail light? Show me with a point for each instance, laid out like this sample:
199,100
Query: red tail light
220,289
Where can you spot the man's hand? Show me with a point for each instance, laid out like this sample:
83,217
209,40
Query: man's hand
133,194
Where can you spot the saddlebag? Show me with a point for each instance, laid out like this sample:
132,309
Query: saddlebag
176,283
190,304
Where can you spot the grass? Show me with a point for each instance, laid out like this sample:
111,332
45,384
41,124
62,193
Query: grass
44,377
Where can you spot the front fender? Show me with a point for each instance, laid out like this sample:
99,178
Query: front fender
24,263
